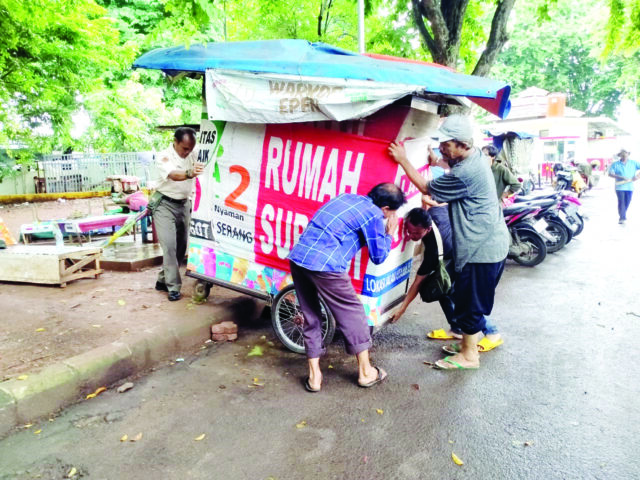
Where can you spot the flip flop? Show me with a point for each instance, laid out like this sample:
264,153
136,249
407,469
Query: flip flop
452,349
485,344
381,376
440,334
446,362
308,387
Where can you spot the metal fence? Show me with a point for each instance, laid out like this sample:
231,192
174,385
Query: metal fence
88,172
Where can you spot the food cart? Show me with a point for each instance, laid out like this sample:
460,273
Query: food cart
288,125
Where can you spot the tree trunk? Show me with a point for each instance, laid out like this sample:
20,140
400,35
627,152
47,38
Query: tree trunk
445,19
497,38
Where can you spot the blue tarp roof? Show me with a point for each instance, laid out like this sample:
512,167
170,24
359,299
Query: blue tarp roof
300,57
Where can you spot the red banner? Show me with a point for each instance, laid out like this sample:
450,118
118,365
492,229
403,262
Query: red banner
302,169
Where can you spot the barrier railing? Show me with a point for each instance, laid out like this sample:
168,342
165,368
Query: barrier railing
87,172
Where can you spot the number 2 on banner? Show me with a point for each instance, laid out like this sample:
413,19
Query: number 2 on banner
230,201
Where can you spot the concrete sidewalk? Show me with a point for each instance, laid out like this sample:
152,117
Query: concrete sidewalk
28,397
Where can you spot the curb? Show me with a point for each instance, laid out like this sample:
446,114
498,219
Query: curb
67,382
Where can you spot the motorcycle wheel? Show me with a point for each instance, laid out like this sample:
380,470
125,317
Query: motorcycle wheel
558,230
287,320
536,251
580,224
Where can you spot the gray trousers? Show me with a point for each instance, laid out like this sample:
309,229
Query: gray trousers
171,222
337,292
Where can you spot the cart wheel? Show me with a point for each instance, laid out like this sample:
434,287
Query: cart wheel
286,319
201,291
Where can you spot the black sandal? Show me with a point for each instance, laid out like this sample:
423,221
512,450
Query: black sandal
307,386
381,376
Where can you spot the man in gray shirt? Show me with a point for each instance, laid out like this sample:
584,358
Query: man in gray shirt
480,236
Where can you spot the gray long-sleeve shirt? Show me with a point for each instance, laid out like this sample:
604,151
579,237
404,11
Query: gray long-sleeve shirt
480,234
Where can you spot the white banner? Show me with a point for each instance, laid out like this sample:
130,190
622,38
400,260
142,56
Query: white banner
245,97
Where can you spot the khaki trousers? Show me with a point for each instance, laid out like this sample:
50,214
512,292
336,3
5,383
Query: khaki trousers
171,222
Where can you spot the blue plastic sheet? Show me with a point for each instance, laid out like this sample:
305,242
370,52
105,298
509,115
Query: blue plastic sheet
302,58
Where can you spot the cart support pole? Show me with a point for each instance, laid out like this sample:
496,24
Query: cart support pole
360,26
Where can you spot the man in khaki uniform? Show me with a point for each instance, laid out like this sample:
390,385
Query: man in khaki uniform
176,167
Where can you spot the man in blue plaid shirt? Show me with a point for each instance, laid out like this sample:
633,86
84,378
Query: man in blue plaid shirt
319,267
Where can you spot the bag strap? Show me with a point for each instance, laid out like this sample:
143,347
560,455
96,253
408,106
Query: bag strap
436,232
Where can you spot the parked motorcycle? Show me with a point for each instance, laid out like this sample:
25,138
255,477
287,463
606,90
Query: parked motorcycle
528,235
570,179
567,208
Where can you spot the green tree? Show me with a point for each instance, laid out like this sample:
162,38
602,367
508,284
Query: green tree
51,54
563,54
447,25
623,27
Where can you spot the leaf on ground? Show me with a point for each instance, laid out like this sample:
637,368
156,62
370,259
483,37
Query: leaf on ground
72,472
124,438
22,377
200,437
74,306
380,411
258,384
255,379
97,392
28,425
122,303
96,326
255,351
330,366
137,438
37,432
302,424
456,459
415,386
451,441
40,329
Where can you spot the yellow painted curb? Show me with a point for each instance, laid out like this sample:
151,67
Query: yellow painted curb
45,197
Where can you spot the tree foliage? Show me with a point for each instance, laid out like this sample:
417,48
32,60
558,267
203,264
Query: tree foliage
623,27
563,54
51,53
58,58
441,25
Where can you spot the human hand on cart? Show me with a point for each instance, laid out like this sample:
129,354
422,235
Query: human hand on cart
392,224
198,168
398,152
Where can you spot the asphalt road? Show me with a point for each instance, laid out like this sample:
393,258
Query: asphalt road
559,400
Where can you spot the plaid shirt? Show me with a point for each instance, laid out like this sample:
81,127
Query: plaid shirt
338,230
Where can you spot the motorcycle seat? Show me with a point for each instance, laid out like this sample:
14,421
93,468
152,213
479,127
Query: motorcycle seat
532,198
517,208
543,202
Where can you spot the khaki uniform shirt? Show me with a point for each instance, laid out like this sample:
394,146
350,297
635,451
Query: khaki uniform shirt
167,161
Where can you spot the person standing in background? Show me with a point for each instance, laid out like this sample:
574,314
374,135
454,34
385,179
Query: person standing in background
502,175
625,172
